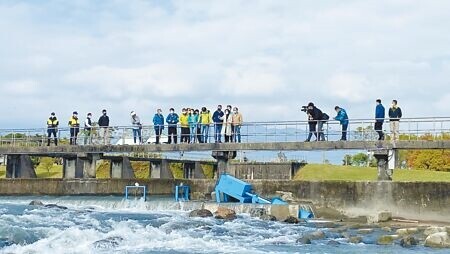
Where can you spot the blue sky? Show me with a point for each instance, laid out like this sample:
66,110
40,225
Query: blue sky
267,57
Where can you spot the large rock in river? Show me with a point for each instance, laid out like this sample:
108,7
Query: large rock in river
438,240
202,213
225,213
36,203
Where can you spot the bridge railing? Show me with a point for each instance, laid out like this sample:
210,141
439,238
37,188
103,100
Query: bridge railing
426,128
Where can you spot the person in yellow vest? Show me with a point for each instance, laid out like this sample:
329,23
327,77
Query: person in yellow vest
74,124
52,127
184,123
204,120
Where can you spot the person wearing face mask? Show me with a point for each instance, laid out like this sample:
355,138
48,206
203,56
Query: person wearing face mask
158,122
236,125
205,121
88,129
184,123
193,122
218,123
52,127
103,122
137,127
172,120
74,125
198,131
395,113
227,123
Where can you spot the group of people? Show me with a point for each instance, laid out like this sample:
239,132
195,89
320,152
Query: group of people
317,118
74,125
194,126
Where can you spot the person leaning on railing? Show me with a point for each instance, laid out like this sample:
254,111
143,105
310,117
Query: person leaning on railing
395,113
342,117
52,127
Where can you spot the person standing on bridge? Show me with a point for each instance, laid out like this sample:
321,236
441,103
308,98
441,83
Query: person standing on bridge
342,117
52,127
395,113
236,126
74,125
172,120
379,119
315,117
88,129
103,122
184,123
137,127
227,126
158,122
204,120
193,122
218,123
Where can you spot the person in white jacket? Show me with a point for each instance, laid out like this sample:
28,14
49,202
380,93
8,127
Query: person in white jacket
227,126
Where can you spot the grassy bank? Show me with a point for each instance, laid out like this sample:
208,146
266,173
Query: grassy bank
317,172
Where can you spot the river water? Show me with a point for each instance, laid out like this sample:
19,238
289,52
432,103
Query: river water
113,225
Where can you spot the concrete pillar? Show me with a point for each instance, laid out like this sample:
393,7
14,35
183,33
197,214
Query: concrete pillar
223,158
198,171
394,161
90,165
121,168
189,169
166,173
72,167
19,166
384,173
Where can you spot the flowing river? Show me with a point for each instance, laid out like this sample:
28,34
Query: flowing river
114,225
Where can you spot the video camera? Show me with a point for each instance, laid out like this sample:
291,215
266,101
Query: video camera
304,108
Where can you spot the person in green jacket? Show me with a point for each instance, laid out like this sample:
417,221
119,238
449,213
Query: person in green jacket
193,122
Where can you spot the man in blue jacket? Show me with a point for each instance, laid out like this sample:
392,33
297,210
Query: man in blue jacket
158,122
342,117
218,122
379,119
172,120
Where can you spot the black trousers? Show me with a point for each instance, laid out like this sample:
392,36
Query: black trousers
379,130
172,132
51,131
185,135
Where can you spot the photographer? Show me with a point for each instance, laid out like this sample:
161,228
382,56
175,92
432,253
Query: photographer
315,118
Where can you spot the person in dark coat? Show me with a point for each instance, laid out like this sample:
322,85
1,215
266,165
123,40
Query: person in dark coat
103,122
395,113
379,119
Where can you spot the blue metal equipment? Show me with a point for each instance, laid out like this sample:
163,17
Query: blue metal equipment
184,189
229,188
136,187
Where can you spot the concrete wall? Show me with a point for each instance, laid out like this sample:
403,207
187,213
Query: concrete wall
416,200
265,170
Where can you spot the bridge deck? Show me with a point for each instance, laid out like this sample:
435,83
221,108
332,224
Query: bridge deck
275,146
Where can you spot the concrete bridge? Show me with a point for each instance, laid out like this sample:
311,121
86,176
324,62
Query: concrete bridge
80,160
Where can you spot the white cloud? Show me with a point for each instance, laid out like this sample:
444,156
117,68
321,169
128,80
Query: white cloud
349,87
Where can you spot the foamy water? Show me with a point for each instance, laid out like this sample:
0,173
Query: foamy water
112,225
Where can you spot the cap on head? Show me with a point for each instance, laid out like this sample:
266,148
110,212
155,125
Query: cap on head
336,108
310,104
75,113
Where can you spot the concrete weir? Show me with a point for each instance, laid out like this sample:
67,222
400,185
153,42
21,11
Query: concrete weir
414,200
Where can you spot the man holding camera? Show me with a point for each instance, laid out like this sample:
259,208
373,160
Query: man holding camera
315,118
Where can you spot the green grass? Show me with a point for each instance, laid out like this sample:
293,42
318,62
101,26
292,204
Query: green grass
318,172
54,172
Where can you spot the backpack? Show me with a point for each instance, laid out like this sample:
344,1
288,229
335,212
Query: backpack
325,116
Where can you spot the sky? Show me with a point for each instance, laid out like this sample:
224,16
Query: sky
266,57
